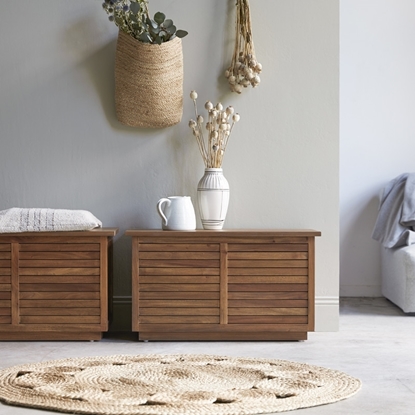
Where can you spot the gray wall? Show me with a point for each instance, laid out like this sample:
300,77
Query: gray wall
62,147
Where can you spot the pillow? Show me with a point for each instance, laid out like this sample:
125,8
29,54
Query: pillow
41,220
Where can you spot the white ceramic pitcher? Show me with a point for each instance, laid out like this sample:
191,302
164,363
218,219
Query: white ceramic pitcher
177,213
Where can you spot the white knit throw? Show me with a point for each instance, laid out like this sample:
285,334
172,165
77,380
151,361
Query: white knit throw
40,220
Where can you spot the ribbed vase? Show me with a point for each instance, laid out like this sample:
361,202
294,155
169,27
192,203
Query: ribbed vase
213,198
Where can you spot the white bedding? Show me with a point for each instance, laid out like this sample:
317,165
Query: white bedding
398,276
43,219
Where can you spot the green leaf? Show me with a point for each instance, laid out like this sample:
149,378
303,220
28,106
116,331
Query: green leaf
158,40
151,23
167,23
154,30
144,38
119,21
181,33
159,17
135,7
171,30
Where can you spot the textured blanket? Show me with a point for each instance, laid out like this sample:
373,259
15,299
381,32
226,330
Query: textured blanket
41,220
395,223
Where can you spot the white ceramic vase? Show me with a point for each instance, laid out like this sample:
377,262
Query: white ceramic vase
213,198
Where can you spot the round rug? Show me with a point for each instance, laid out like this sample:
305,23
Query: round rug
173,384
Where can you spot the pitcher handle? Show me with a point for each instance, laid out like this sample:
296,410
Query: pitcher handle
161,213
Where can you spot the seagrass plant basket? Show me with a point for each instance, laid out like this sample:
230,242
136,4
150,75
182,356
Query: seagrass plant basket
148,82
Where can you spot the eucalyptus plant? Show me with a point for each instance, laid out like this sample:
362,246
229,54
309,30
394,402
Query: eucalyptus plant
132,16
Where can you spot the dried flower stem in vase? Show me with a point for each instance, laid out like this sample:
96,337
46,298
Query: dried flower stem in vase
244,69
219,126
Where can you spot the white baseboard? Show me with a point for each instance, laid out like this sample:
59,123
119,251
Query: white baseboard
326,307
327,313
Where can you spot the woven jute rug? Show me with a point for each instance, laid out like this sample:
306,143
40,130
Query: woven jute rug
173,384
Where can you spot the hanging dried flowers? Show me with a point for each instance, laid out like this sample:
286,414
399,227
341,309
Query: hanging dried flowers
219,126
244,69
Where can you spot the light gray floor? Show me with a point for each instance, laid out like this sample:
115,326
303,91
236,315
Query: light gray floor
376,343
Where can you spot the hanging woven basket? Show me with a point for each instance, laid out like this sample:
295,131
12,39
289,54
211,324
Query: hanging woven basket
148,82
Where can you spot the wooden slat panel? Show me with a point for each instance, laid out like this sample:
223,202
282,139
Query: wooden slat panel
57,263
59,303
311,284
5,263
72,311
223,336
179,303
266,274
185,295
52,238
105,276
180,279
223,283
56,328
59,255
5,255
15,279
152,311
268,279
5,287
5,248
5,295
5,320
179,247
272,295
60,279
269,311
59,319
58,295
178,319
178,287
5,311
268,319
59,247
59,271
69,334
276,287
268,303
268,271
267,247
250,237
178,255
136,280
178,263
5,303
53,286
177,271
221,328
5,271
268,264
255,256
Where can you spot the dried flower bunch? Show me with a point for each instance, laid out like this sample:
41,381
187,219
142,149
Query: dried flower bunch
132,16
244,69
219,127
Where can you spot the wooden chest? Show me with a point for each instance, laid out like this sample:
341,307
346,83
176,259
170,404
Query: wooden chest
54,285
223,285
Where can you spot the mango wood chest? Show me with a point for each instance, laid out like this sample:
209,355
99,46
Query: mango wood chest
223,285
54,285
